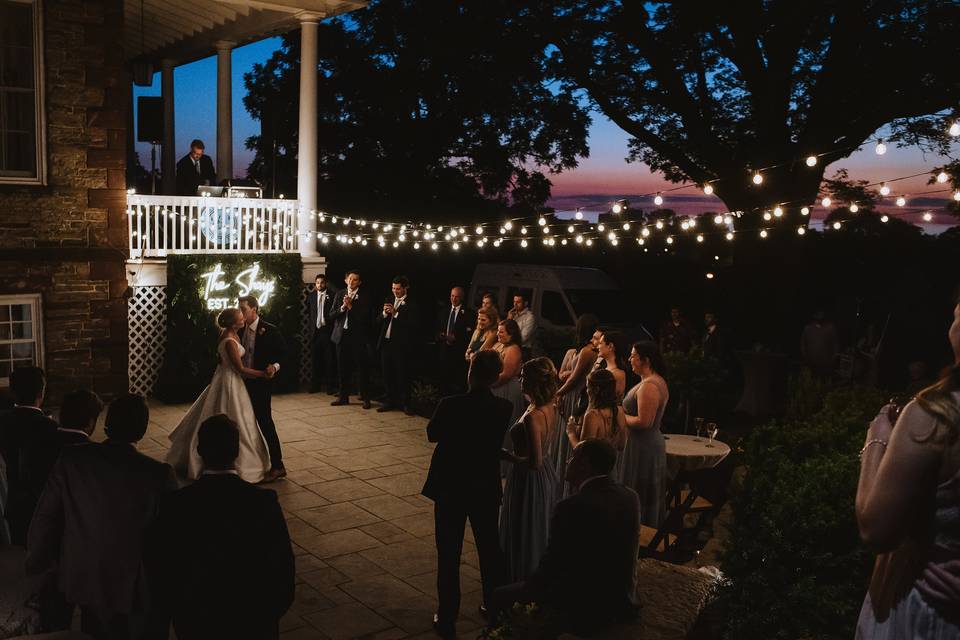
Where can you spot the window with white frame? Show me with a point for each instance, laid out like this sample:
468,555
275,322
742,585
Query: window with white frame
22,148
21,334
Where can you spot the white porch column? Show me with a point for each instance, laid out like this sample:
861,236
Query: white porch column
168,152
224,111
307,136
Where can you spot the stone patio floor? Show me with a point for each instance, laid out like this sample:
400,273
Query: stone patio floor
361,532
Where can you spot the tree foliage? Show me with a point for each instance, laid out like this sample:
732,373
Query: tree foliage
715,91
424,106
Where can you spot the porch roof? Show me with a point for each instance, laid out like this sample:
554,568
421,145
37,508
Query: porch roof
187,30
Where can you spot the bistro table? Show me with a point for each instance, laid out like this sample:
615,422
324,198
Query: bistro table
686,455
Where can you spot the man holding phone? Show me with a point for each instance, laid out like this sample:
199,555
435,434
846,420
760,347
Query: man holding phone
396,340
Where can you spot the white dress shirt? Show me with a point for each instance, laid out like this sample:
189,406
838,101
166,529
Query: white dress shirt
250,344
352,294
321,301
396,311
527,324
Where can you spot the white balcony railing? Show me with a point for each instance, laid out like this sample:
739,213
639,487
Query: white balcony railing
163,225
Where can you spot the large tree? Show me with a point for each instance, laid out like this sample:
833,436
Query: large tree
425,107
714,91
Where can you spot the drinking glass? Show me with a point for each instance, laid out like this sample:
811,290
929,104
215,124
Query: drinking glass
712,431
698,424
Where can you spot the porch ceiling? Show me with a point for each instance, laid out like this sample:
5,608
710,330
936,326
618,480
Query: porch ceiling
187,30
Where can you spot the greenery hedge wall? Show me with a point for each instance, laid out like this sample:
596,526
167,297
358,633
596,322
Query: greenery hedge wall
192,332
795,565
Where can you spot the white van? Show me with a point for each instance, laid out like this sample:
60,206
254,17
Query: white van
557,295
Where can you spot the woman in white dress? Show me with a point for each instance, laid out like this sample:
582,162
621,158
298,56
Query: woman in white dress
225,394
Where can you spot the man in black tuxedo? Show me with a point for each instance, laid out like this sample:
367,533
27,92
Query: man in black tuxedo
320,305
264,349
222,544
352,316
456,324
194,169
91,521
27,444
398,325
587,587
464,482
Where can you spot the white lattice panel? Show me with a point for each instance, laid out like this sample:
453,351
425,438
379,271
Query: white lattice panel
147,334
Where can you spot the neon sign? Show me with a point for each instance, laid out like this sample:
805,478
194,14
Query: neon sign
248,282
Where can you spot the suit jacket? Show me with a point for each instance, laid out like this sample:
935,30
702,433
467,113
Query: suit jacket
226,565
463,326
468,429
328,307
28,446
596,583
92,520
406,325
360,316
268,348
187,177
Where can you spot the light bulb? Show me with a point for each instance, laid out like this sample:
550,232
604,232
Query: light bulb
729,235
578,215
626,225
727,219
508,225
766,215
757,178
763,233
659,224
669,239
684,225
811,161
542,221
825,202
836,225
699,237
503,230
434,246
884,189
523,243
453,233
496,243
616,208
640,241
479,230
614,242
956,196
801,230
658,200
523,230
709,276
884,218
718,219
708,189
645,232
564,242
601,228
901,201
927,216
805,211
456,246
854,208
395,244
954,129
570,229
880,148
778,212
579,239
416,245
611,236
942,177
589,242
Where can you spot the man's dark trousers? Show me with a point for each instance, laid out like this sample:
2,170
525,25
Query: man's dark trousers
260,397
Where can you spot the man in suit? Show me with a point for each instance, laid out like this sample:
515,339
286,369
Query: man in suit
587,587
91,521
464,482
352,317
320,305
264,349
194,169
456,325
397,336
223,546
27,438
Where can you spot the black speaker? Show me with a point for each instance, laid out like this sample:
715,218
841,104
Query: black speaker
149,119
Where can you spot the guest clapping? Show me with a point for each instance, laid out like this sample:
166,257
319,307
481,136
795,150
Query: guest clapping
222,548
644,462
485,335
91,523
907,505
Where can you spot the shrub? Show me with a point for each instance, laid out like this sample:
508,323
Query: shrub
795,565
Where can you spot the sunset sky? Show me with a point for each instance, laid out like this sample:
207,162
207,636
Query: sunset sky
598,180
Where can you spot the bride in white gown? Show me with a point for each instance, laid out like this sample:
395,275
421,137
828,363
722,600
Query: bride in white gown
225,394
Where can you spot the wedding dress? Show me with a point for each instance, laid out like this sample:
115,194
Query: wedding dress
227,394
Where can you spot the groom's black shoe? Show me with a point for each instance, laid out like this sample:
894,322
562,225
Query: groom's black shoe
339,402
444,629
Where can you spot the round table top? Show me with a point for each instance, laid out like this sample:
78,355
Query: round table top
690,453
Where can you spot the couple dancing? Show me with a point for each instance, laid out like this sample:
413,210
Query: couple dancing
249,353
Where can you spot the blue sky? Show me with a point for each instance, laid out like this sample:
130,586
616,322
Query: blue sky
601,177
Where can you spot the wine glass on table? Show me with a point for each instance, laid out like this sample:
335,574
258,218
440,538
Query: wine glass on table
698,425
712,432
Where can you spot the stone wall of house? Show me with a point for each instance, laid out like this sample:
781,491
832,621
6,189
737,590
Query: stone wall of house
67,240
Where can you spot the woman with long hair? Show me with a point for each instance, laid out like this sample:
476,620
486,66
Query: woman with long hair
532,486
603,419
908,509
485,335
612,352
225,394
643,466
507,385
569,395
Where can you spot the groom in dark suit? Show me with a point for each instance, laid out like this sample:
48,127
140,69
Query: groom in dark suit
222,548
352,317
265,350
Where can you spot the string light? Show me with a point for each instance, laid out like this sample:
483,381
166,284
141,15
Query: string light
901,201
884,189
669,239
801,230
836,225
884,218
523,230
718,219
658,200
763,233
880,148
479,229
578,215
927,216
757,178
729,235
708,189
523,243
854,208
542,222
956,196
508,225
617,207
942,177
805,211
825,202
811,161
767,216
954,129
778,212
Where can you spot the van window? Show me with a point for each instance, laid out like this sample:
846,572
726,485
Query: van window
484,289
554,310
608,305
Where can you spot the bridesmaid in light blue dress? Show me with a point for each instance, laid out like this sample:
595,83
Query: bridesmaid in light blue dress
570,395
507,385
643,466
532,487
